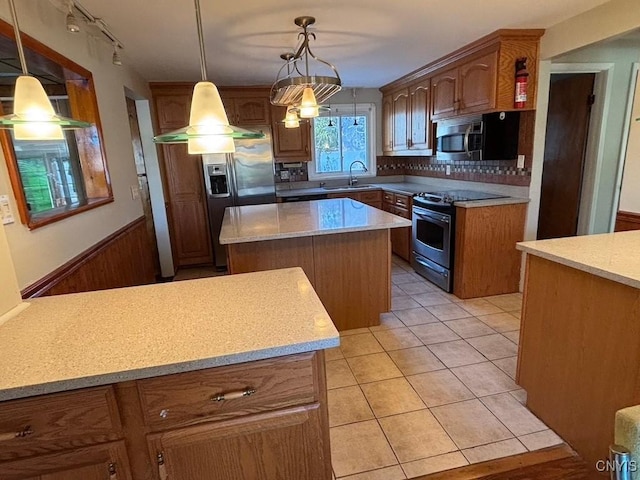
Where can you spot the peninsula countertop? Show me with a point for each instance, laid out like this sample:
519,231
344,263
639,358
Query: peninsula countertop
274,221
87,339
615,256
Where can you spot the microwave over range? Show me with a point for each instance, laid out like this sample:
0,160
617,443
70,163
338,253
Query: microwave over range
492,136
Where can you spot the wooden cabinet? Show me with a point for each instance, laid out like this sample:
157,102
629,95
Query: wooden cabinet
247,111
372,198
469,88
400,205
260,420
406,119
486,260
290,144
183,180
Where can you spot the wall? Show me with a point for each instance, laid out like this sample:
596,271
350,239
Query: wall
38,252
622,54
608,20
630,193
9,293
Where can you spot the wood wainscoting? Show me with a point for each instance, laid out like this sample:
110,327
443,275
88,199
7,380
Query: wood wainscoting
627,221
123,259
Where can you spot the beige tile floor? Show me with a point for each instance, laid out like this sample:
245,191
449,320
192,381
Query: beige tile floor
430,389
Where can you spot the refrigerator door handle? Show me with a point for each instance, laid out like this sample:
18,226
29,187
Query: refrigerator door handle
231,175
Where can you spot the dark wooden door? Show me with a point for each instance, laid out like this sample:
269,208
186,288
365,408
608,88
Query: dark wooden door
570,100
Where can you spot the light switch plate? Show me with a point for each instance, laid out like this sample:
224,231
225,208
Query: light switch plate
5,210
135,192
447,170
520,161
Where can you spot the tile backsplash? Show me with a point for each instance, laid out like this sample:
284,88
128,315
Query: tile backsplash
496,171
291,172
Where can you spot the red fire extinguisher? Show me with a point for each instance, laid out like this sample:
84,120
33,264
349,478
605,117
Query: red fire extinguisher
522,78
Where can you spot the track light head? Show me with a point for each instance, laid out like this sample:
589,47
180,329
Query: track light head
73,26
116,59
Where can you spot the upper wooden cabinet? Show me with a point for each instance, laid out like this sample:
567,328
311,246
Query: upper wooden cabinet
406,123
478,78
469,88
290,144
246,106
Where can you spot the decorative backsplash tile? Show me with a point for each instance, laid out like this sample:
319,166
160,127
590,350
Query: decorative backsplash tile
504,172
291,172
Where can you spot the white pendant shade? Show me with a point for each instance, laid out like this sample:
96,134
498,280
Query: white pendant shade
208,123
308,106
32,104
291,118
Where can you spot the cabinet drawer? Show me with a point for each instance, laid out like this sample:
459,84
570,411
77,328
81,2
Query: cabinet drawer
374,196
403,212
54,422
190,397
401,200
388,197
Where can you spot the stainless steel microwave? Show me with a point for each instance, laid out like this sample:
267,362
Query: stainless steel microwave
492,136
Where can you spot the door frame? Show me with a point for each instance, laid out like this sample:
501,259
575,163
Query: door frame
594,153
635,71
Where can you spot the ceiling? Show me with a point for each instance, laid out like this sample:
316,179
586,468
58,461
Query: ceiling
371,42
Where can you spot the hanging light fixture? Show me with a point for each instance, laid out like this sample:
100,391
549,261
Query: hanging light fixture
355,118
304,90
208,130
116,59
73,26
291,119
330,124
33,116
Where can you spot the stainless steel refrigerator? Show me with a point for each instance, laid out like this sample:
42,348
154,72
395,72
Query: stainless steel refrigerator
245,177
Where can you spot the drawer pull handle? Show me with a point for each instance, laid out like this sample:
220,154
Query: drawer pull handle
221,397
162,468
22,434
113,474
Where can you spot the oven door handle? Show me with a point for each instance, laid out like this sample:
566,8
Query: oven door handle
425,265
430,216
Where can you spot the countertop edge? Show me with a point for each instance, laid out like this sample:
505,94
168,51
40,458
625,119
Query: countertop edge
161,370
599,272
492,202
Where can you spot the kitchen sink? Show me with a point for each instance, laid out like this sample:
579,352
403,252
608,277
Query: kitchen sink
349,187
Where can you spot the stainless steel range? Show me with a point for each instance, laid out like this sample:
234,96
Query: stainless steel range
434,233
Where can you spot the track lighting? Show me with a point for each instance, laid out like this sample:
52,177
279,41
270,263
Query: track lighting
73,26
115,59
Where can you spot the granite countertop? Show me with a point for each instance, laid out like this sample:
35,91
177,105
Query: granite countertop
80,340
274,221
491,202
614,256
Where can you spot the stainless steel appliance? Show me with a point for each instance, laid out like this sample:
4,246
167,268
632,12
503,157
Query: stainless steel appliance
245,177
492,136
433,230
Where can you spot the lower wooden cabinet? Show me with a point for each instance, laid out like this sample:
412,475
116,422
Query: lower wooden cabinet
258,420
373,198
400,205
279,444
107,461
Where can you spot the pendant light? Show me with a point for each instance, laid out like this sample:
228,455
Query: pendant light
355,118
291,118
33,116
208,130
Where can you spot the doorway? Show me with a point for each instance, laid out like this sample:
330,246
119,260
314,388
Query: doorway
570,102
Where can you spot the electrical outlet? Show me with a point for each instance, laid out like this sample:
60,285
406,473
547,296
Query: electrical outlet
520,161
135,192
447,170
5,210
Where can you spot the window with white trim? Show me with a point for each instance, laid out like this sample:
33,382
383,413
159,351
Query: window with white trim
341,138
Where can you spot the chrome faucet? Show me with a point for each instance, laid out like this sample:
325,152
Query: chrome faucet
353,180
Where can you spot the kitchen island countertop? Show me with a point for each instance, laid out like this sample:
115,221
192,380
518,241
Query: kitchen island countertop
95,338
275,221
614,256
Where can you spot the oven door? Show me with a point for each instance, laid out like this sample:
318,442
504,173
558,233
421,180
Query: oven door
432,235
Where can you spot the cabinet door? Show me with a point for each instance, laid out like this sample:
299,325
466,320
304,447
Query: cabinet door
190,239
284,444
443,94
252,111
101,462
290,144
173,111
400,117
387,123
477,89
420,115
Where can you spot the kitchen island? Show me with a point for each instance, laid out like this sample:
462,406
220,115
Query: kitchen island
579,354
170,381
342,245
